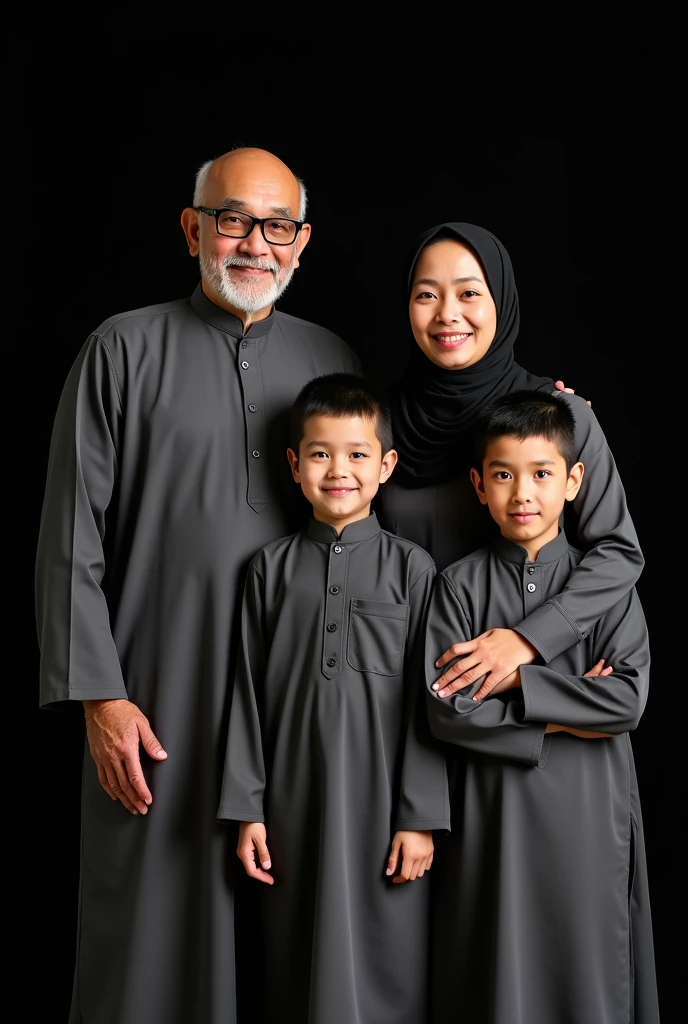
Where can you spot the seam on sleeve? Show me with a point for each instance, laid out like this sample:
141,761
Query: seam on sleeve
111,363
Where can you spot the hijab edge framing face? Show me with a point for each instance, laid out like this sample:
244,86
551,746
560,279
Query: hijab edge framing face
435,408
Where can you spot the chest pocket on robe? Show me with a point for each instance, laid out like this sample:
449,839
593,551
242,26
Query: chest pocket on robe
377,636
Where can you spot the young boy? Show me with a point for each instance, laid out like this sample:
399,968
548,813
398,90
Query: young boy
329,754
546,918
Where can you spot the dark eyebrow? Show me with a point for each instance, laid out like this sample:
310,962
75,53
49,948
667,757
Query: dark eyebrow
507,465
239,204
353,444
457,280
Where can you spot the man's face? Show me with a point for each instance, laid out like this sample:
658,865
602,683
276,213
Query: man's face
525,484
340,466
246,275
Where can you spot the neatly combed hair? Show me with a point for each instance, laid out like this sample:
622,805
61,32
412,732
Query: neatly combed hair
524,414
202,177
341,395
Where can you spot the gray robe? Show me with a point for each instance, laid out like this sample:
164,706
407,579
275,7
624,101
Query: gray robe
545,912
329,745
449,522
167,473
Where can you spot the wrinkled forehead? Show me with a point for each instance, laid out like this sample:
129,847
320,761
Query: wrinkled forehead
265,183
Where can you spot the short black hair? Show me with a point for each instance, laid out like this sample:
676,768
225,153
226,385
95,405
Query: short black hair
340,395
523,414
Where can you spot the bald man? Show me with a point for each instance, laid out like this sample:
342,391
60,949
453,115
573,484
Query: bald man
167,472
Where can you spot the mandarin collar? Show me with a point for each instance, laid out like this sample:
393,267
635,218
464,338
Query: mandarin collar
512,552
225,321
362,529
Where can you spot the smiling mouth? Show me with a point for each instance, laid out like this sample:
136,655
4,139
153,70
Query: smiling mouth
451,340
336,492
523,517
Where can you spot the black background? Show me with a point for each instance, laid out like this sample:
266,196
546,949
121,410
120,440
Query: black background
560,138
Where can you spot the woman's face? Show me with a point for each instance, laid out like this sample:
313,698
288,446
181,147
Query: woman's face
453,315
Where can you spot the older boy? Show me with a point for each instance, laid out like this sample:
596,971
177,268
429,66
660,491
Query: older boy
328,752
546,917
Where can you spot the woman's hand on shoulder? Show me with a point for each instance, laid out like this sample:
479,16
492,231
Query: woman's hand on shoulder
559,385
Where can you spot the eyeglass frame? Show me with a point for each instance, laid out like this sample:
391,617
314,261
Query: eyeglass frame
254,220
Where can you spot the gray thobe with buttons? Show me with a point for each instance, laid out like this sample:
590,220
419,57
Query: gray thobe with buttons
545,911
167,473
329,745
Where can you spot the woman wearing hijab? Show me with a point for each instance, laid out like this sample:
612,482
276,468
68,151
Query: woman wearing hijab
464,314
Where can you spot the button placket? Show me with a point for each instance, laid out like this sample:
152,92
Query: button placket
532,586
333,631
254,419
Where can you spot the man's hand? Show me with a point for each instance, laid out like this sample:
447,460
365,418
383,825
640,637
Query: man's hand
598,669
253,844
559,385
495,654
413,852
115,728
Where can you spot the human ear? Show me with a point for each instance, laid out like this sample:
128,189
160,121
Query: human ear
574,481
301,242
192,230
389,461
477,481
294,463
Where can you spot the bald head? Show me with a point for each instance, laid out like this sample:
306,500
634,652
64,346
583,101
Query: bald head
219,181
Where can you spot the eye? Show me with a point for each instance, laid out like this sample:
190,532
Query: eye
358,455
425,295
469,294
319,455
502,474
541,474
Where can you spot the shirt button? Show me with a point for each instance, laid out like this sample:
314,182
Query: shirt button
334,590
336,549
331,627
331,662
255,453
252,407
244,344
531,568
531,588
244,365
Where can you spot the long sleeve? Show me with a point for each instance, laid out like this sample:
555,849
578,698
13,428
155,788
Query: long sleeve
612,703
494,726
613,561
243,782
424,796
79,659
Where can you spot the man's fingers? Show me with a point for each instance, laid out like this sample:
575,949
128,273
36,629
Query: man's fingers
607,671
136,781
121,771
467,671
247,858
151,743
117,790
103,780
486,688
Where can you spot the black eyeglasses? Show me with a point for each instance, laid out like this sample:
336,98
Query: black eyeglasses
234,224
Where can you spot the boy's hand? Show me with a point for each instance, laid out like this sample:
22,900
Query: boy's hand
252,844
497,654
511,682
598,669
413,851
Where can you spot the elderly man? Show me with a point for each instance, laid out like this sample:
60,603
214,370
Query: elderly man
167,472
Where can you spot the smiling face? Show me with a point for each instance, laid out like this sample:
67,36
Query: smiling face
525,484
246,275
453,315
340,466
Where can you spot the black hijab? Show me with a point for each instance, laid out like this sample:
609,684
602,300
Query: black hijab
434,410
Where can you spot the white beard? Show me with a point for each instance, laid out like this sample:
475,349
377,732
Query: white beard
252,294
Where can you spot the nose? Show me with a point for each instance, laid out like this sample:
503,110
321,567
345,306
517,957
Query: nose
521,493
254,244
449,312
338,467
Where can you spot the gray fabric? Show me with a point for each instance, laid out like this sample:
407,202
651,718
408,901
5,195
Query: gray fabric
544,915
448,521
154,506
319,750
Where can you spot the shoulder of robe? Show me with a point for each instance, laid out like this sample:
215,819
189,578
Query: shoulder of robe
307,328
583,414
144,318
468,566
416,555
274,552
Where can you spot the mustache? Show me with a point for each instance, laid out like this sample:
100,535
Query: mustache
248,261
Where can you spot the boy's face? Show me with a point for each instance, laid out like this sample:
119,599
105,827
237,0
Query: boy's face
525,485
340,466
